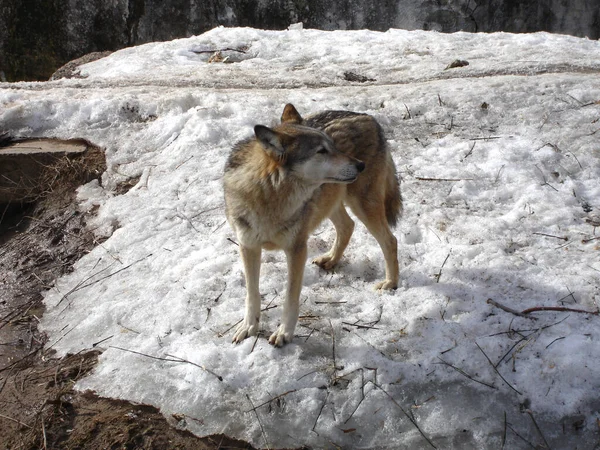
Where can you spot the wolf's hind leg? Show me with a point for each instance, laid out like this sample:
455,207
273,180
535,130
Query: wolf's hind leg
372,214
344,226
249,325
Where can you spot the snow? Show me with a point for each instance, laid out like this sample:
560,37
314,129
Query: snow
500,167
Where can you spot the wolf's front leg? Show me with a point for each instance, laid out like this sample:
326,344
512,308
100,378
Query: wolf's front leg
296,259
249,326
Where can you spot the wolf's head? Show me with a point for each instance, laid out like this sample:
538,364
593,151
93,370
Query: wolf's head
306,152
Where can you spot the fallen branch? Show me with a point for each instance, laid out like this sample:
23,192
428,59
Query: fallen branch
558,308
527,311
507,309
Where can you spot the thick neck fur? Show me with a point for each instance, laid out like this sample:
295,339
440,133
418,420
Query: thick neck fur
265,194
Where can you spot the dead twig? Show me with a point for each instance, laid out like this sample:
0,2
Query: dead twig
507,309
562,238
171,358
226,49
272,400
80,285
320,411
586,241
558,308
557,339
496,370
16,421
538,429
359,326
412,420
509,351
489,138
266,308
504,433
439,274
262,429
545,183
521,437
470,152
443,179
333,349
103,340
465,374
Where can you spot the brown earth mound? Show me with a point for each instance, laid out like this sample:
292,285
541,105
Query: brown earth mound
42,234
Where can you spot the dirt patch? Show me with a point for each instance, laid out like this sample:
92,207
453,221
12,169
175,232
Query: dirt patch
39,241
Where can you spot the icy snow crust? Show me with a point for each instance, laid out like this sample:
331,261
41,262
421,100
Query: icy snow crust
500,167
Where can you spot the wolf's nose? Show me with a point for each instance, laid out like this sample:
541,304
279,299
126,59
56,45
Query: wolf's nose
360,166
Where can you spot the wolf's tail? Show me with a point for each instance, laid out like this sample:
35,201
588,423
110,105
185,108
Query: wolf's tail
393,197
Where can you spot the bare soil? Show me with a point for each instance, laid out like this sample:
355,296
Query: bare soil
39,408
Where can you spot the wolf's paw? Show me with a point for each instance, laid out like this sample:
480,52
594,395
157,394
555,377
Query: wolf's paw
281,337
245,330
325,262
386,285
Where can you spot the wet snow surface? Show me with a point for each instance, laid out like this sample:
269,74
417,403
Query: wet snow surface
500,167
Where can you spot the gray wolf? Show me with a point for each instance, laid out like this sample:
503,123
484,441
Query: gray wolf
281,183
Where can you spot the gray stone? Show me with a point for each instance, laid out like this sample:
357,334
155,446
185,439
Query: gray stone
37,37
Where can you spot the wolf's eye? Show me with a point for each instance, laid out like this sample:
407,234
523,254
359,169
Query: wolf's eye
322,151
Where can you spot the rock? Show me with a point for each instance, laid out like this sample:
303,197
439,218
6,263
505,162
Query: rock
37,37
71,69
457,63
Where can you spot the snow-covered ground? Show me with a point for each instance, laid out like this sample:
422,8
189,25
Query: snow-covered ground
500,167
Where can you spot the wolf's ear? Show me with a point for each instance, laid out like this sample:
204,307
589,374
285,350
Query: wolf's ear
270,139
290,115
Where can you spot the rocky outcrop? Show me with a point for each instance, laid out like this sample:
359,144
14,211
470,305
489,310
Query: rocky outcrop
38,36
